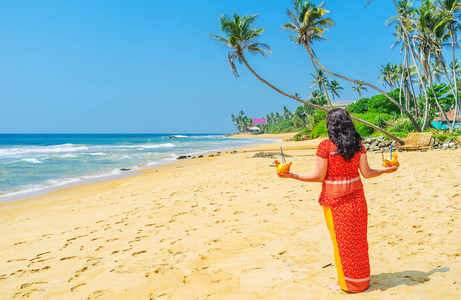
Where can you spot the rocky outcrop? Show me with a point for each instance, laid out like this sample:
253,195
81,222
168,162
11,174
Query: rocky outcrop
379,144
269,154
450,143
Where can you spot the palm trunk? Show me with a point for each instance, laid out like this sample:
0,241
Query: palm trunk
435,94
401,83
323,84
366,84
317,106
422,82
407,41
411,83
454,79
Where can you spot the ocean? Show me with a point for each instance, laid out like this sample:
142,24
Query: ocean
30,163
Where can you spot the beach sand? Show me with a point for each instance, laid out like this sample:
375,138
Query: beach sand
226,227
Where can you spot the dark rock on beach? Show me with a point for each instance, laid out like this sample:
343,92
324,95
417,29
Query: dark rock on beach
176,137
183,156
269,154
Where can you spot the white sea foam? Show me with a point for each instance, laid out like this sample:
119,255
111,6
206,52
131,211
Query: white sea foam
32,160
68,156
98,154
42,149
173,156
207,136
145,146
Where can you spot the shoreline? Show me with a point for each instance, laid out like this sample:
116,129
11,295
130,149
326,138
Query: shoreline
95,178
228,227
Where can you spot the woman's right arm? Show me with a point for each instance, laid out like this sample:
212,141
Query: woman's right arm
370,173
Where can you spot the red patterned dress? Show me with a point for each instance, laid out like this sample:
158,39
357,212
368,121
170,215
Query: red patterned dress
345,210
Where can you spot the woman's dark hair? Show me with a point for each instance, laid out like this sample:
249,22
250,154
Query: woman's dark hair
343,134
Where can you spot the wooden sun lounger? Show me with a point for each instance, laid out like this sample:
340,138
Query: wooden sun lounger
417,141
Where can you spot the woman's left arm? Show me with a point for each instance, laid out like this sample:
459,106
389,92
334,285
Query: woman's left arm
318,176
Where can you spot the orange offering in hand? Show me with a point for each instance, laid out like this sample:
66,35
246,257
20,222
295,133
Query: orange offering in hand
391,163
282,168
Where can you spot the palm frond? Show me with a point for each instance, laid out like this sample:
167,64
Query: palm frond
219,39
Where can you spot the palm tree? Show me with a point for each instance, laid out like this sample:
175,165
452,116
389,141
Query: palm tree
287,114
407,23
431,30
359,88
233,119
318,97
240,37
320,80
309,22
388,75
335,88
451,10
322,24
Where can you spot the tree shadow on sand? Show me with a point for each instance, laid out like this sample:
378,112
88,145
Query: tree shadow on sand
386,281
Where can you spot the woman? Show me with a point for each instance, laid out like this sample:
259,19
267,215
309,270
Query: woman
339,160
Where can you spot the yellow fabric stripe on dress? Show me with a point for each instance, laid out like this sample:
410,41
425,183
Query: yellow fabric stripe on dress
331,228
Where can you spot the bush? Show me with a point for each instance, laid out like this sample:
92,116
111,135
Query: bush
402,125
318,116
441,137
378,119
280,127
319,130
376,104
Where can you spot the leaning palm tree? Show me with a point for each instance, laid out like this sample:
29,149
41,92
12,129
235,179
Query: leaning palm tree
309,22
335,88
241,37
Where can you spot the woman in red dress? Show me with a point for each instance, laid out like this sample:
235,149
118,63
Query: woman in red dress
339,160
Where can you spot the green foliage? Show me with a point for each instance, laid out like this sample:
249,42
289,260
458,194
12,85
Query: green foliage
402,125
303,132
376,104
441,137
444,136
318,116
444,95
378,119
242,122
298,121
319,130
280,127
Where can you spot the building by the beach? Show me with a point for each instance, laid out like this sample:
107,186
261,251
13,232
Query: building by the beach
342,104
441,123
257,121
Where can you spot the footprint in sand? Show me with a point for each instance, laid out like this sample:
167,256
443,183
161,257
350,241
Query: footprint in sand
74,288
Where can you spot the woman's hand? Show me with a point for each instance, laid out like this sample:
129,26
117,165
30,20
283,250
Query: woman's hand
287,175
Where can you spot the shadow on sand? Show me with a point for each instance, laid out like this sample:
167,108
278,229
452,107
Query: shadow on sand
386,281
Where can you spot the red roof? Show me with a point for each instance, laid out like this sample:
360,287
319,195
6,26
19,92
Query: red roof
259,121
450,115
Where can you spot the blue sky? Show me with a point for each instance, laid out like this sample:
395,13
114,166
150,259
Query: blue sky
149,66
